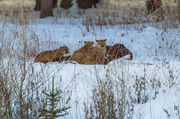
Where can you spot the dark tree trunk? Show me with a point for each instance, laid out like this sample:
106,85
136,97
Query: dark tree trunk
84,4
179,9
54,3
38,5
46,8
66,4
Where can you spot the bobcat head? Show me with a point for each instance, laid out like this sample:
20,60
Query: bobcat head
101,43
88,44
64,49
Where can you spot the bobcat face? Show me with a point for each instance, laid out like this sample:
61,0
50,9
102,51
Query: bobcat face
88,44
101,43
64,49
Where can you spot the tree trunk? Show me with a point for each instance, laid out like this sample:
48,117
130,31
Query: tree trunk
46,8
38,5
66,4
179,9
85,4
54,3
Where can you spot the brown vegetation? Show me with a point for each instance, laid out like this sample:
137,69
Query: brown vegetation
52,55
153,5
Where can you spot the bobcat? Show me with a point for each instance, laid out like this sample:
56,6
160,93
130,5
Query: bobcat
88,44
100,50
101,43
84,54
89,54
117,51
52,55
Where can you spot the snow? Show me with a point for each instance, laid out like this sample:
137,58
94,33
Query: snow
156,53
155,109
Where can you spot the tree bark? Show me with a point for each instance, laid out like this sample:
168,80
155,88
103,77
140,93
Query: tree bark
85,4
54,3
38,5
46,8
66,4
179,9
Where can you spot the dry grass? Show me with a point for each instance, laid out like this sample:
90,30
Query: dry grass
137,3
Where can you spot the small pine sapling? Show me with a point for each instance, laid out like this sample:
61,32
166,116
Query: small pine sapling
53,108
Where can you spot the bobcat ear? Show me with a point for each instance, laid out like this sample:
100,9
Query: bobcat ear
85,42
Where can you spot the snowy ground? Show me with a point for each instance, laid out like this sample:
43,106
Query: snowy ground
155,50
156,55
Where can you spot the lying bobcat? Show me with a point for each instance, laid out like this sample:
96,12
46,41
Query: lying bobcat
100,51
52,55
117,51
89,54
84,54
87,45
